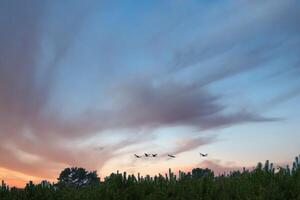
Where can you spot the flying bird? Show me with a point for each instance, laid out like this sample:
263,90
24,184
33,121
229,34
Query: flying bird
137,156
154,155
172,156
147,154
204,155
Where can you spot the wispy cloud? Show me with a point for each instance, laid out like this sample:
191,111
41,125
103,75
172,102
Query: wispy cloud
247,21
169,103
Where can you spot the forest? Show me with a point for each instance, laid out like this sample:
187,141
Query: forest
264,182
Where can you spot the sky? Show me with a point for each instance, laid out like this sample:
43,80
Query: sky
90,83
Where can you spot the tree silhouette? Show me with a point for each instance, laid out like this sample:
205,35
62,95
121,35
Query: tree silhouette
78,177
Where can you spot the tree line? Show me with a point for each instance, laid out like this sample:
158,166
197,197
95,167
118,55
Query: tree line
264,182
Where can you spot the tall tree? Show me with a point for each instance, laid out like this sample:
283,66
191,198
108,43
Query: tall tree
78,177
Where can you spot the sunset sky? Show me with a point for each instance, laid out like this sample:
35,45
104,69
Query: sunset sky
90,83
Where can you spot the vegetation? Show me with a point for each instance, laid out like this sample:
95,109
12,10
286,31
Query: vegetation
77,177
262,183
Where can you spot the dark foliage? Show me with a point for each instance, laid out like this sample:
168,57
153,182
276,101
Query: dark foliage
262,183
77,177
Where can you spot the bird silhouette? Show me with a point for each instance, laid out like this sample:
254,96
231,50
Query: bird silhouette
203,155
172,156
147,154
137,156
154,155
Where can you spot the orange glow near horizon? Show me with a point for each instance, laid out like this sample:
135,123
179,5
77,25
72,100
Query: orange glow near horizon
17,179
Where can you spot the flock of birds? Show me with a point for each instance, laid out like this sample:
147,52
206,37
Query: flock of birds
169,155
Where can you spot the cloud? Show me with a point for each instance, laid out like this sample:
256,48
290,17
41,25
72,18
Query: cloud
26,86
285,96
170,103
20,97
189,144
251,34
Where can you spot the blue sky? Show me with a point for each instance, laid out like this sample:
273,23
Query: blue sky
106,79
